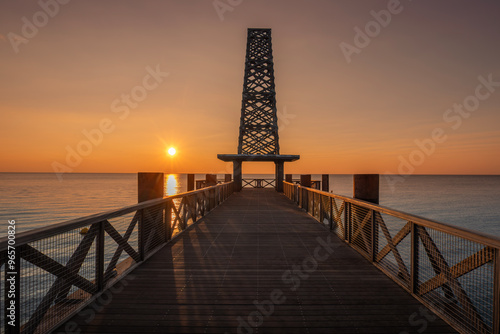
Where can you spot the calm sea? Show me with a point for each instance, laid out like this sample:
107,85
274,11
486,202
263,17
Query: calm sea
39,199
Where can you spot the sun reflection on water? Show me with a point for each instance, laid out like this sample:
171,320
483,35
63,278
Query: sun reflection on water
172,185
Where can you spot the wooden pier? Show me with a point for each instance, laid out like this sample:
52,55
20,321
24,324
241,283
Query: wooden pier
257,264
223,259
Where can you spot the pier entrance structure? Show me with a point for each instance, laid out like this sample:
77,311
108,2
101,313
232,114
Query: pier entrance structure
258,138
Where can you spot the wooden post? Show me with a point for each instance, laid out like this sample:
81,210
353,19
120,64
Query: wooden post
210,180
305,180
190,185
227,178
280,169
289,178
150,186
237,175
325,182
366,187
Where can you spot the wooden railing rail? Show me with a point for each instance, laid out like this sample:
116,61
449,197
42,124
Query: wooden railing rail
258,183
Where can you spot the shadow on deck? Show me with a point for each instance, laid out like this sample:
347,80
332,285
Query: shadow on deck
256,264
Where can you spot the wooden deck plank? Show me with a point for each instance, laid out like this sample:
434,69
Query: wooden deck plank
211,277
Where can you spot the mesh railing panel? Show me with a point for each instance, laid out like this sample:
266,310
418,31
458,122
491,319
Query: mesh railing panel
338,217
456,276
325,216
153,228
361,228
57,276
258,183
316,206
117,253
393,247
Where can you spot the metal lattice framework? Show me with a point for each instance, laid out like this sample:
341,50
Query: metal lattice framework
259,122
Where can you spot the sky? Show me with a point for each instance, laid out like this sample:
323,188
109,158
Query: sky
398,87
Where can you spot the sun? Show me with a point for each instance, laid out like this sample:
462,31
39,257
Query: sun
171,151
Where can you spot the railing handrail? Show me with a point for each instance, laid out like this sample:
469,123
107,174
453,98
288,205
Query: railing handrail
54,229
472,235
258,178
419,254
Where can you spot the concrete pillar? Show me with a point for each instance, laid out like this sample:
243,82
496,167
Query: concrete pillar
305,180
210,180
366,187
237,175
280,170
325,182
227,178
190,184
289,178
150,186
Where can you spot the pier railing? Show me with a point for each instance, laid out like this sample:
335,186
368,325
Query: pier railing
258,183
57,270
453,271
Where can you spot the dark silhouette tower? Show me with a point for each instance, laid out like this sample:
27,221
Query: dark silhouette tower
259,122
258,139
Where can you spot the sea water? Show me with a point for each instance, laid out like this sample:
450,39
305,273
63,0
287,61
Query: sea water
40,199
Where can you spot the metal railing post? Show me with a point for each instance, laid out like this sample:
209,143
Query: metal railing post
496,293
301,199
321,214
374,236
347,223
331,213
167,218
313,203
414,258
192,208
99,260
142,235
306,193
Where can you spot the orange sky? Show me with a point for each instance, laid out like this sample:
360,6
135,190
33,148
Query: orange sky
68,68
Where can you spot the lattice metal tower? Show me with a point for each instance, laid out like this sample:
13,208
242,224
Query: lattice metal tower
259,122
258,140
